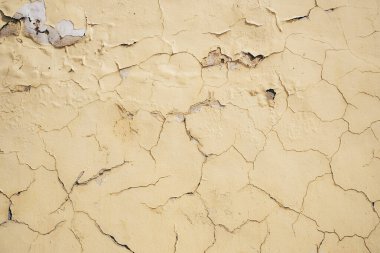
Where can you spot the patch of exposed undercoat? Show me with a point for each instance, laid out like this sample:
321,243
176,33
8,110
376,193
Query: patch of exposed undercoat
33,16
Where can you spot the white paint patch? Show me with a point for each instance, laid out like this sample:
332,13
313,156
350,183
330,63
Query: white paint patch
66,27
34,16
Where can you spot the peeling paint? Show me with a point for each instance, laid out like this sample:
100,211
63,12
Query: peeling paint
33,17
189,126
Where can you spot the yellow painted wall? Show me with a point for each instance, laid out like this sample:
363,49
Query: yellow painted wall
157,126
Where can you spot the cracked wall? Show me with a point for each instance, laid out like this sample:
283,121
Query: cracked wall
190,126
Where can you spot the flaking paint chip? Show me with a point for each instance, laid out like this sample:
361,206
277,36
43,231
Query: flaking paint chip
33,17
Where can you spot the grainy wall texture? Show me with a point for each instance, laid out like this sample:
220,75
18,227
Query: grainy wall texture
189,126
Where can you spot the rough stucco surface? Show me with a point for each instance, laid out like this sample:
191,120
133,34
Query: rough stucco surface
190,126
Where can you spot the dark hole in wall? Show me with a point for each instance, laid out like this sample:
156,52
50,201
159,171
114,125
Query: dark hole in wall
271,94
9,213
297,18
250,60
252,57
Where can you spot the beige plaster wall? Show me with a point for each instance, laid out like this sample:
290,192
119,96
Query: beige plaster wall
190,126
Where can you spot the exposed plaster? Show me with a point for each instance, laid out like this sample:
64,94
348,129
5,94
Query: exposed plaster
33,17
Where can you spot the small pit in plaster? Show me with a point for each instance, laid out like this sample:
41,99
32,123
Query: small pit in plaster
249,60
216,57
124,73
10,215
271,94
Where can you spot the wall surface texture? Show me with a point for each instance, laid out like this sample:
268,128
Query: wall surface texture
190,126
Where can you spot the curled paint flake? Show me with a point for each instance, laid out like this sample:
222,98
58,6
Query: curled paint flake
33,15
66,28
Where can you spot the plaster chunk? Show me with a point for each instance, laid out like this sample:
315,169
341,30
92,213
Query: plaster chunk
372,240
304,131
290,233
328,4
215,76
364,110
136,88
365,47
323,99
275,173
180,74
189,41
297,73
245,94
85,156
107,129
331,243
143,17
376,130
22,138
15,177
91,238
11,233
9,8
251,234
59,11
341,205
161,173
290,9
241,172
358,29
129,55
43,67
198,15
262,40
51,242
355,165
192,226
110,81
300,44
319,25
253,13
356,82
134,225
340,63
214,114
175,144
225,126
40,208
227,174
148,127
4,208
125,176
